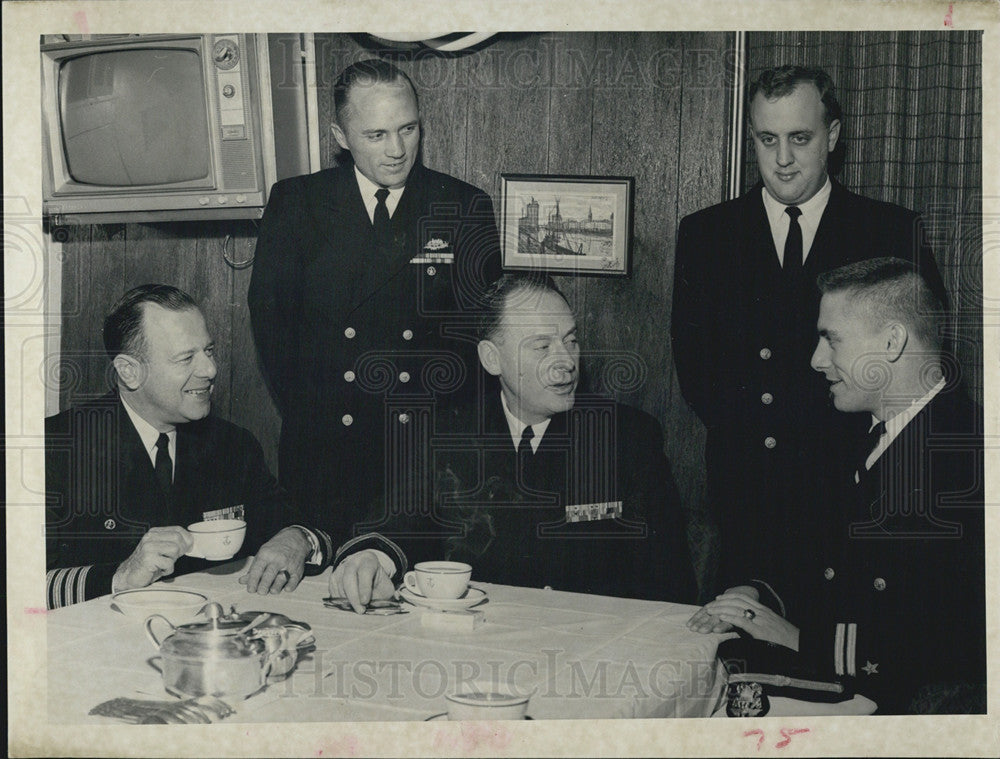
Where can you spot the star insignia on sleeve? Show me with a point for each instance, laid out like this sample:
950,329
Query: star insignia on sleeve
871,669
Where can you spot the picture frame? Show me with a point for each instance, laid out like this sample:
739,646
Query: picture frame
568,225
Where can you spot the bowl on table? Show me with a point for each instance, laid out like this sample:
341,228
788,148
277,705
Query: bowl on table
487,701
178,606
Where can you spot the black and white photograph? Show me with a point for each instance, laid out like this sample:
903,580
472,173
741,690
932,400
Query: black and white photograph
536,382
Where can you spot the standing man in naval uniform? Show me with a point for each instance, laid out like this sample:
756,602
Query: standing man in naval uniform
363,301
744,314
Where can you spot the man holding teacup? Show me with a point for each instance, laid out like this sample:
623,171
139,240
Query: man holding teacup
536,485
126,471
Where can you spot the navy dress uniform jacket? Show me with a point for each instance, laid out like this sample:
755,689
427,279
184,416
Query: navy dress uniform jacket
593,510
355,339
894,599
102,495
742,343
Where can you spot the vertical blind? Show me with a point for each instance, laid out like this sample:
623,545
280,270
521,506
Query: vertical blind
912,135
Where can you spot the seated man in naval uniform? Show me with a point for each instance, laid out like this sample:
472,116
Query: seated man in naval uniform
535,485
893,604
125,472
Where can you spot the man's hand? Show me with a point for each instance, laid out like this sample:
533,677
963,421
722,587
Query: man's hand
153,558
361,578
279,564
758,620
704,621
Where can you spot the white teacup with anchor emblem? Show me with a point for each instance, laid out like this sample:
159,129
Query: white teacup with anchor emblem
218,539
439,579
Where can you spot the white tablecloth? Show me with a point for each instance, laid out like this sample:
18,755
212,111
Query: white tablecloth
585,656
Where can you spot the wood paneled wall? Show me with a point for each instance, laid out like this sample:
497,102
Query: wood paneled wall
102,261
648,105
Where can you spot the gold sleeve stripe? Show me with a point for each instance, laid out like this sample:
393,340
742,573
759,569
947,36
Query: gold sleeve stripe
838,649
66,586
852,646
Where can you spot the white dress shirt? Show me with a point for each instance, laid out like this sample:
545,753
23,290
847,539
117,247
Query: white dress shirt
369,188
149,435
516,427
812,213
895,424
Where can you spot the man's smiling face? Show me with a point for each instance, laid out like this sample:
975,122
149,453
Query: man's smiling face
792,143
850,354
177,369
380,125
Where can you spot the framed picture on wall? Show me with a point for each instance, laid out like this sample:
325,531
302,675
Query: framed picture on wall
567,224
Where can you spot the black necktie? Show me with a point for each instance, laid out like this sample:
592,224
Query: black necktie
380,220
524,447
792,265
164,466
871,440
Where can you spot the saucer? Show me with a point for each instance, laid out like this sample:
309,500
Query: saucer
174,604
470,598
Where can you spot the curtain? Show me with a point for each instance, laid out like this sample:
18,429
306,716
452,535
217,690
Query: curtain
911,135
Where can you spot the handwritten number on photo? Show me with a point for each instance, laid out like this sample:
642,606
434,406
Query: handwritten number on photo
786,734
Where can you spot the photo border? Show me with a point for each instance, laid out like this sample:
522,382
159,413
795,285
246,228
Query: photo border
26,336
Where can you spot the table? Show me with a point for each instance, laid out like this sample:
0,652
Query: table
586,656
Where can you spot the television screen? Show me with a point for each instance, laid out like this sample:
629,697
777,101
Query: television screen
134,117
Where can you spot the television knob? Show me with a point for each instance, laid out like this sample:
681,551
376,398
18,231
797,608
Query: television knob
223,200
241,198
226,54
228,91
204,201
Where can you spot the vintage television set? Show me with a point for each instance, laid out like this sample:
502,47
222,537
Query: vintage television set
170,126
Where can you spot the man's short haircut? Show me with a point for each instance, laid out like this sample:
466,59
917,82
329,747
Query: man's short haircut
781,80
365,73
889,289
523,286
123,331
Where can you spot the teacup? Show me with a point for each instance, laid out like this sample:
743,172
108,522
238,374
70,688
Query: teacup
487,701
439,579
218,539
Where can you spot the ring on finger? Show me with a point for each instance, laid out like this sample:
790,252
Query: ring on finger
749,613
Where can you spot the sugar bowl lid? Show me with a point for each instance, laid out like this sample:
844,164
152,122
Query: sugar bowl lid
219,635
